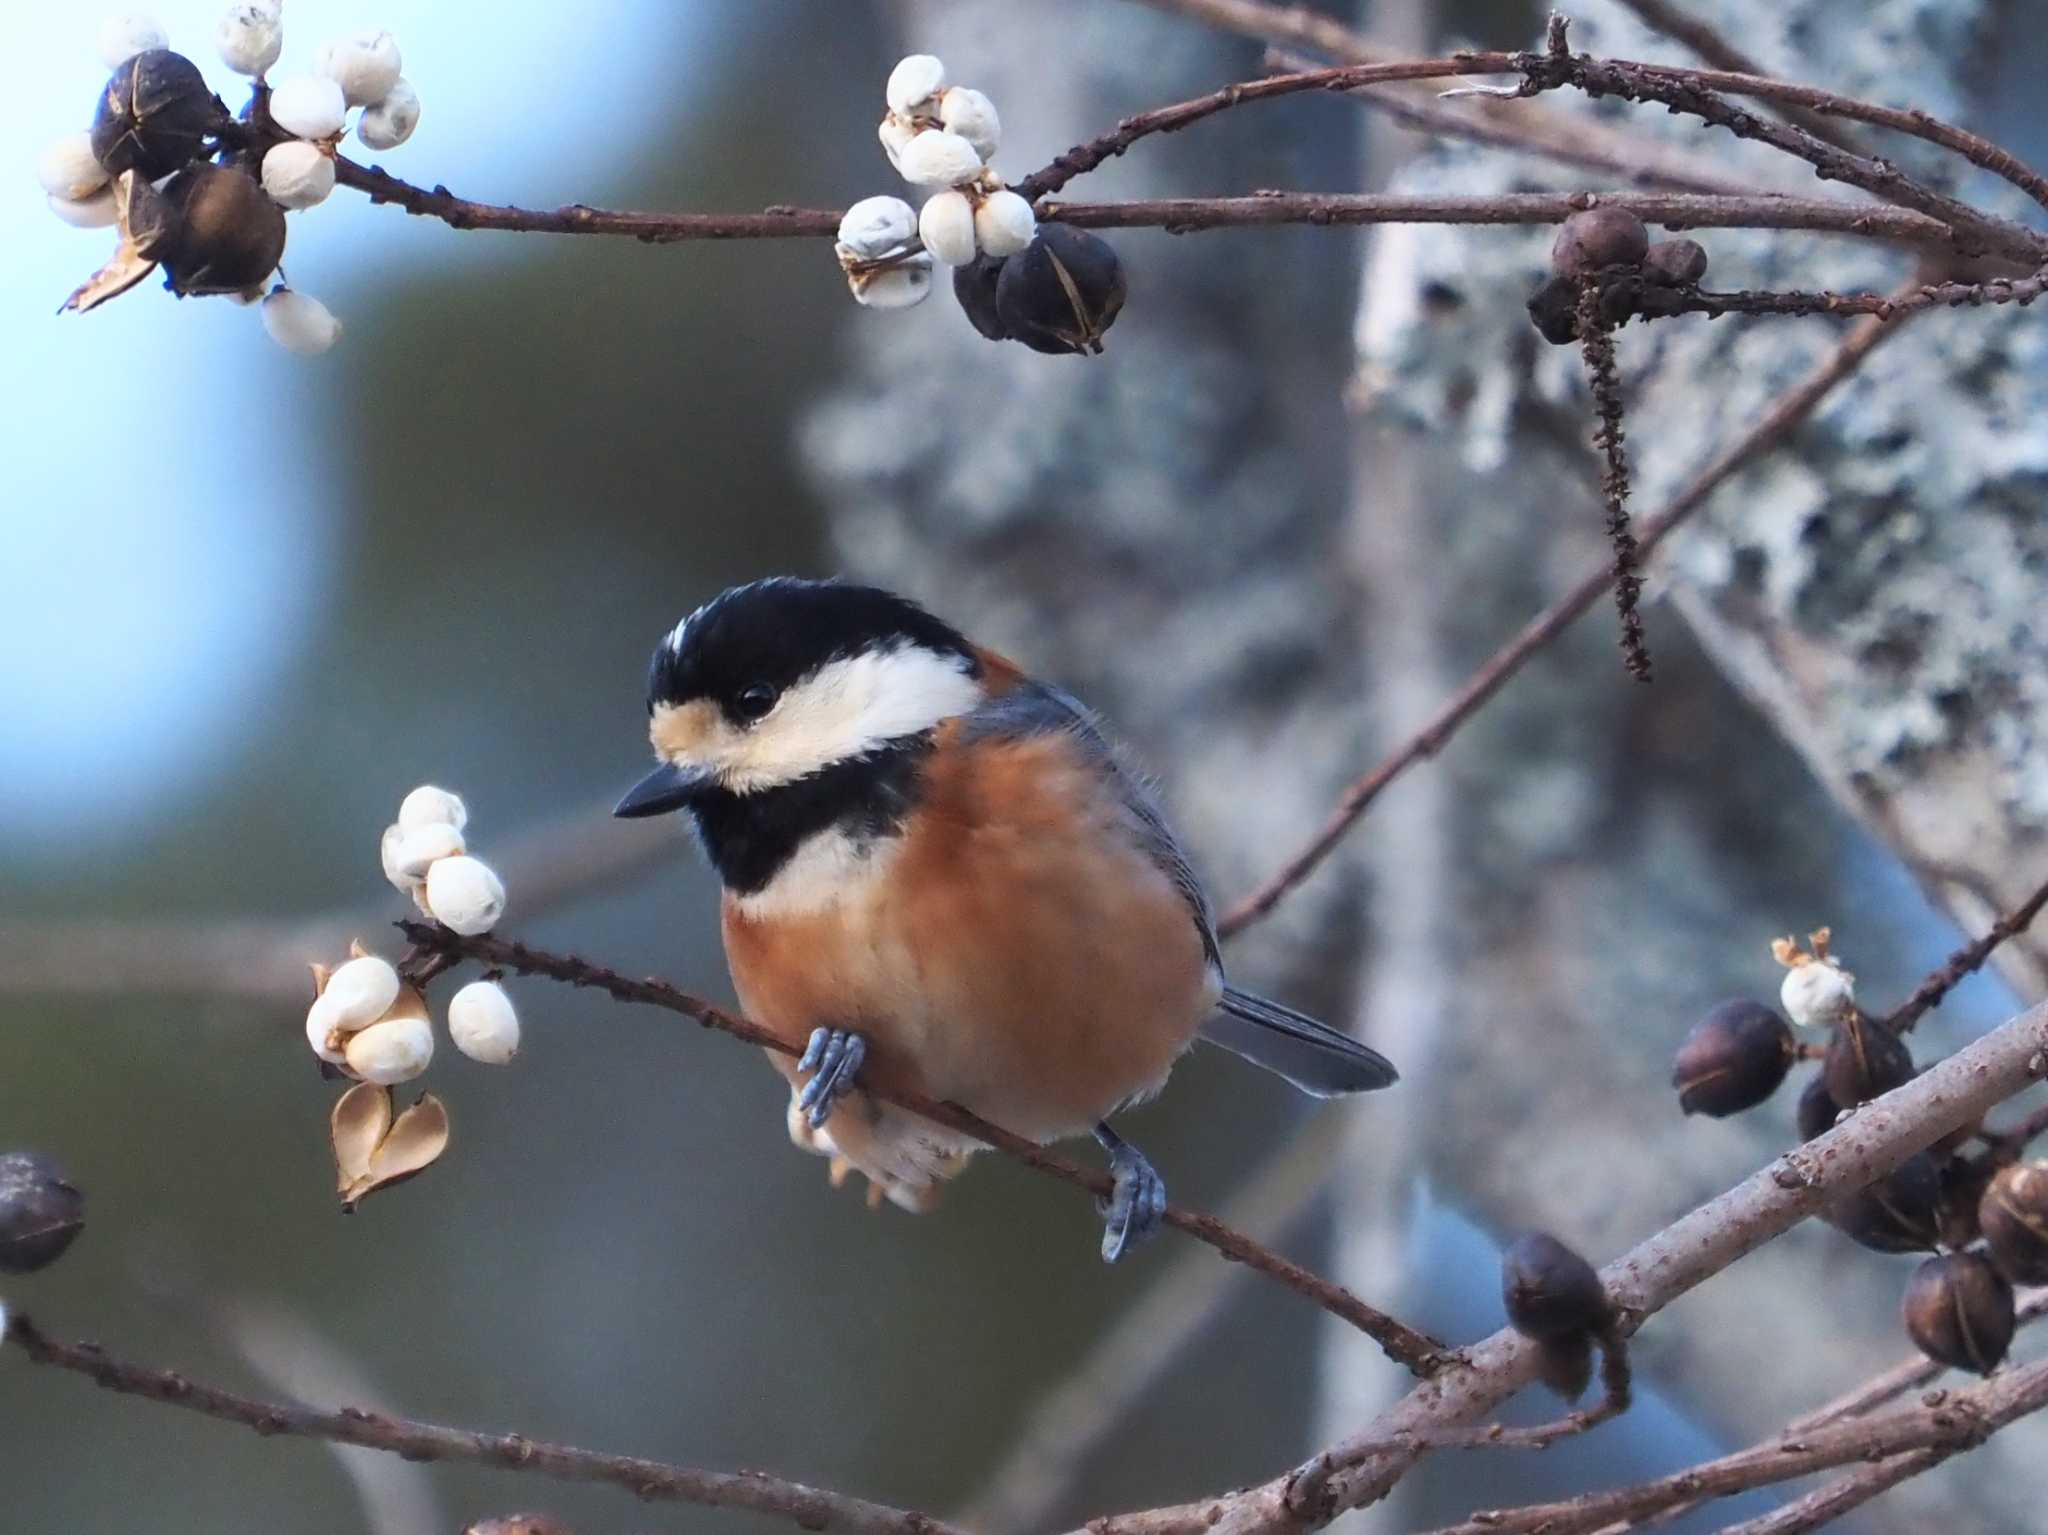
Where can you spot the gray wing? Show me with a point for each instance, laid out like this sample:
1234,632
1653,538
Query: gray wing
1037,708
1313,1056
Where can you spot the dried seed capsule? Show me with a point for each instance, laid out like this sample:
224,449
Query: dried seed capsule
1565,1364
2014,1217
1817,1111
1549,1290
1004,223
1734,1058
974,285
155,115
1598,239
1062,292
483,1024
1554,310
1865,1060
946,225
365,66
388,123
297,175
41,1213
1899,1214
1679,262
230,236
1963,1185
1958,1310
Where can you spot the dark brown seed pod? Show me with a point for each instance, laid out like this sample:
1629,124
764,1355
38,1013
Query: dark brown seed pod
231,236
1565,1364
1963,1183
1599,240
1817,1111
1682,263
1062,292
1549,1290
1959,1312
974,285
41,1213
2014,1217
1899,1214
1554,310
1733,1059
1865,1060
155,115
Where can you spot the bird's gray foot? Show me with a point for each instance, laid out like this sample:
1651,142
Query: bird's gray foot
835,1055
1134,1207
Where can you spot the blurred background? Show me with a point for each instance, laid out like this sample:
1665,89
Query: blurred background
249,599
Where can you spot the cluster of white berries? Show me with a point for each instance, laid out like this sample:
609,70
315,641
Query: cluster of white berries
1817,993
940,138
424,857
361,71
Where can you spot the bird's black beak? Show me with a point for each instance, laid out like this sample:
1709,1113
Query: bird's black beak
665,789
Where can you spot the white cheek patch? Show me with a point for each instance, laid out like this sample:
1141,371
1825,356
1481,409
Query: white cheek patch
844,710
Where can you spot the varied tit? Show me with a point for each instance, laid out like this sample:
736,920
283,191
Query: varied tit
939,876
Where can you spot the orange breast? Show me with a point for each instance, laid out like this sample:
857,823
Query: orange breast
1015,950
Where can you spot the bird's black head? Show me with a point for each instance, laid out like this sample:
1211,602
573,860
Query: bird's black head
778,680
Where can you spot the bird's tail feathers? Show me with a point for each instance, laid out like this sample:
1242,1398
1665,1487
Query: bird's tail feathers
1313,1056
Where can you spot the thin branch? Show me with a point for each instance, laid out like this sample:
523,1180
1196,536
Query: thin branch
1633,297
1777,423
1949,1422
813,1508
1675,210
1422,1355
1596,344
1965,961
1864,1147
1707,43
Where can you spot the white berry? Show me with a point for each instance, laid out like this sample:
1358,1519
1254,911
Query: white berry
430,806
1818,993
250,37
899,285
297,174
416,849
69,169
299,323
465,895
358,993
365,66
125,35
972,115
895,135
875,226
396,1050
946,225
936,158
388,123
1004,223
309,107
94,212
482,1023
913,83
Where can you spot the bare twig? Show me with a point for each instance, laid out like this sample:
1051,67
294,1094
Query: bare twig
1777,423
1949,1422
1966,960
1596,344
813,1508
1422,1355
1864,1147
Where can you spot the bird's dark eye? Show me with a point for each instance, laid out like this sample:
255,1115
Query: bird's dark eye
756,701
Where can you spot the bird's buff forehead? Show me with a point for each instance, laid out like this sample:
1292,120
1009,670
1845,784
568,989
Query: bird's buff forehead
685,732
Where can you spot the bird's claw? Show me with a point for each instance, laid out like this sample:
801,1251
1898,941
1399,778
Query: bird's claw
1133,1210
835,1055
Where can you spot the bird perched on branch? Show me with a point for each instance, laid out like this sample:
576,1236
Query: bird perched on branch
939,876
